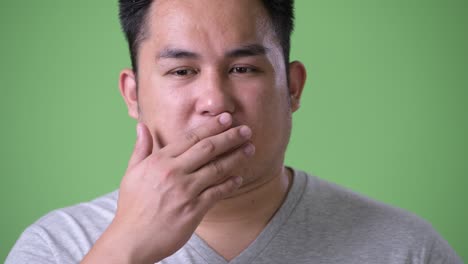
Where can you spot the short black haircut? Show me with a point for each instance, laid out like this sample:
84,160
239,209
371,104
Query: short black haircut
133,15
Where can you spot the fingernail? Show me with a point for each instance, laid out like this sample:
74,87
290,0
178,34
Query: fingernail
245,131
249,150
225,119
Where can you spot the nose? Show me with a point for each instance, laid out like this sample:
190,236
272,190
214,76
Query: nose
215,96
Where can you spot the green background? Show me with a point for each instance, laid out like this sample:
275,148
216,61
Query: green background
384,111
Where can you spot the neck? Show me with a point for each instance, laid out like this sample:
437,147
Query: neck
254,204
234,223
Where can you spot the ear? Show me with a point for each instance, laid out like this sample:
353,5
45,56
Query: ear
128,90
297,78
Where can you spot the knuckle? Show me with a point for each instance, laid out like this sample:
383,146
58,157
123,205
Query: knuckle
217,167
188,209
216,194
181,194
185,191
191,136
156,158
167,173
232,135
208,146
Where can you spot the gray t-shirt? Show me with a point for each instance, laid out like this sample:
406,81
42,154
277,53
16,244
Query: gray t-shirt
318,222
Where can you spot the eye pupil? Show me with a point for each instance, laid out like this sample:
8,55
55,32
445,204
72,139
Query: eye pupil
241,69
181,72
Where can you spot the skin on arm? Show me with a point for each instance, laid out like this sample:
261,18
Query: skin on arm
166,191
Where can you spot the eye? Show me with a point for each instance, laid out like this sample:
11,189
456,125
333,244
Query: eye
183,72
242,70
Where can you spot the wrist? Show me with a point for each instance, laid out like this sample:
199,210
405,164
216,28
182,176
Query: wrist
117,245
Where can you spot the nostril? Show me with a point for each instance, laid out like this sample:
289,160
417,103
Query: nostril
206,113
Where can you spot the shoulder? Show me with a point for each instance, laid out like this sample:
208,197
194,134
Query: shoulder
88,219
364,224
65,235
345,206
93,213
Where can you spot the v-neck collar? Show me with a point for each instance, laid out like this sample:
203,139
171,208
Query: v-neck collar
249,254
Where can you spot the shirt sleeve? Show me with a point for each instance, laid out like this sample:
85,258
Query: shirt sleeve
31,247
441,253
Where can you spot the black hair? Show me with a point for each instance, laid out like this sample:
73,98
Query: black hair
133,15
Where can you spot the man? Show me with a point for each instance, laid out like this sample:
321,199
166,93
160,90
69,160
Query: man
213,92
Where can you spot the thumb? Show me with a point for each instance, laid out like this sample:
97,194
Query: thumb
143,145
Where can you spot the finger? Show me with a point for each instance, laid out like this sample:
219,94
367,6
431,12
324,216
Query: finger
212,195
219,170
209,148
211,127
143,145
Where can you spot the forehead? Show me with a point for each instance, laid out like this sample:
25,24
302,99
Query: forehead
212,24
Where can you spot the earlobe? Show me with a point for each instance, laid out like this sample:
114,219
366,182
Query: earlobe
297,78
128,90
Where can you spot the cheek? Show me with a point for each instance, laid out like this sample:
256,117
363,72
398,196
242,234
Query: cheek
266,107
164,110
159,99
271,128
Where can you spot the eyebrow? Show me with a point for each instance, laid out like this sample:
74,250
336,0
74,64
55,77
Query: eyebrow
243,51
247,51
170,53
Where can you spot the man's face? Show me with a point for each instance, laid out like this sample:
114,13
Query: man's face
205,57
